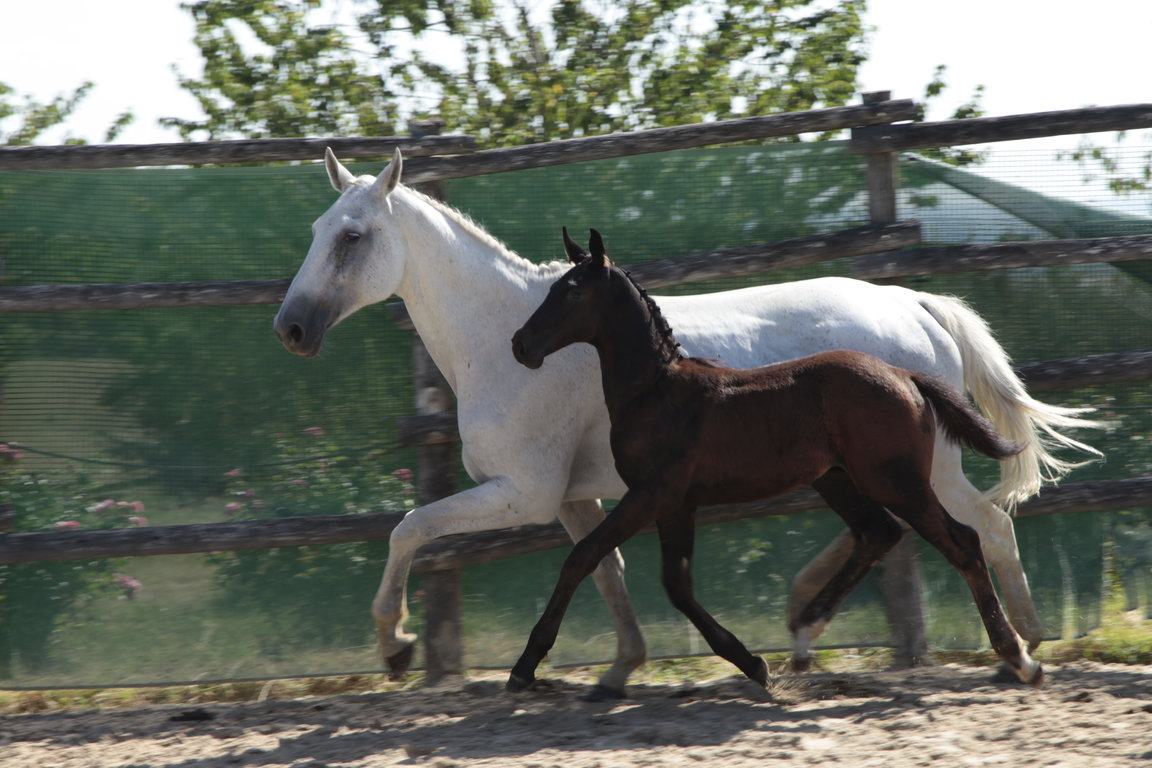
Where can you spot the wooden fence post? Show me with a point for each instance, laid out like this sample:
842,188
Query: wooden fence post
436,479
901,577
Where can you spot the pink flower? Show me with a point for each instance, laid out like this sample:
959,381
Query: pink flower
67,525
138,520
130,585
232,473
403,474
232,508
104,505
314,431
138,507
9,453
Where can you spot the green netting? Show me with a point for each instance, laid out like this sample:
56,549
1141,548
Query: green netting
199,414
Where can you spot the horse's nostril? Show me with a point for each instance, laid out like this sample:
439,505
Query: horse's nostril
295,333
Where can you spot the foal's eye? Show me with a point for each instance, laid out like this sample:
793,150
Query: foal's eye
573,295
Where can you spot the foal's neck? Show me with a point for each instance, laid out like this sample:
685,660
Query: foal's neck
635,345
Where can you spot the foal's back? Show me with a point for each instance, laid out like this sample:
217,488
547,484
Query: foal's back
742,435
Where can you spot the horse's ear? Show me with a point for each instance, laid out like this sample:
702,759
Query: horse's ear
390,176
338,175
576,254
596,246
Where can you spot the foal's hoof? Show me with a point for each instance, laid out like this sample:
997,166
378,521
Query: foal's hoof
759,673
516,684
398,663
801,664
601,692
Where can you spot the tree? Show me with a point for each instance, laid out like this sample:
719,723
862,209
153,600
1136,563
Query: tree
511,76
302,79
36,118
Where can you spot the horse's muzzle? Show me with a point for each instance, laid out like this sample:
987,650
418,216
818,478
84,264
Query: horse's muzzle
301,332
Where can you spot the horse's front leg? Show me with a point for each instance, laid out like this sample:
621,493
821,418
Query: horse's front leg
630,516
494,504
579,519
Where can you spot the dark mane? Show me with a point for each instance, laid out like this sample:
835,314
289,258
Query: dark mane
670,345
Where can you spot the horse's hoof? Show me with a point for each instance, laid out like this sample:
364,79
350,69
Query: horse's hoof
601,692
1005,675
398,663
1037,681
801,664
516,684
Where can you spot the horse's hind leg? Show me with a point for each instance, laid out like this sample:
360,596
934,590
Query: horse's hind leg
579,518
960,545
872,533
968,505
677,538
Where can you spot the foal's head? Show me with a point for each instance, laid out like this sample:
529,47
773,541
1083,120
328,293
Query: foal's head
591,300
571,311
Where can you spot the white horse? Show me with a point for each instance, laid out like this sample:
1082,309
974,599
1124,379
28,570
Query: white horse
536,442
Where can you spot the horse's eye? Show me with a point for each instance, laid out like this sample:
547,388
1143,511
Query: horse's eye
351,237
572,296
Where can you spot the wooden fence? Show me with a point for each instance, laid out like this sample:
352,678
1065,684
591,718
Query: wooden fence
883,250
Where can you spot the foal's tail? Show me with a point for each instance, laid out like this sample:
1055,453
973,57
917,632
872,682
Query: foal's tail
962,423
999,392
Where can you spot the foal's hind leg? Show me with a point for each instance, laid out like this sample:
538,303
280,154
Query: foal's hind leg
960,545
677,537
873,533
579,518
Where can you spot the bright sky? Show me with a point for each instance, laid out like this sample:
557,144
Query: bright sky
1030,56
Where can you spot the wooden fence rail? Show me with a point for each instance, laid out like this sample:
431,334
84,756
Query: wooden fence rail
455,552
221,152
724,262
978,130
945,259
423,169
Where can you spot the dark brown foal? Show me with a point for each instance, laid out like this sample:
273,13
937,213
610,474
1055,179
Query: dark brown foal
687,432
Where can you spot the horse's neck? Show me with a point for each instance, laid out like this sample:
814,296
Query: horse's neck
635,353
464,291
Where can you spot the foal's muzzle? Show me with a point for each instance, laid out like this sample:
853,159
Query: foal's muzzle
521,352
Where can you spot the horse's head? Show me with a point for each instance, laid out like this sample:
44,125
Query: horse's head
354,260
571,311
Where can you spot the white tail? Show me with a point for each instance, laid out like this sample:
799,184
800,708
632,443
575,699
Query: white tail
1000,394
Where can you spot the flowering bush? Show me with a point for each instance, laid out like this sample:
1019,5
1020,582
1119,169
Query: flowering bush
308,597
36,597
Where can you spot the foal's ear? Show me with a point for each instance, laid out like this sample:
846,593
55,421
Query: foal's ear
390,176
339,176
576,254
596,246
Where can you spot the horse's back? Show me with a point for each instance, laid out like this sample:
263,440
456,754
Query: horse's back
756,326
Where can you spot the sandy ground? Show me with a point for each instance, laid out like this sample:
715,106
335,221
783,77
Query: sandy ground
1088,714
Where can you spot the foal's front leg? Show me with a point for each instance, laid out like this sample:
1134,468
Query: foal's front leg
677,538
630,516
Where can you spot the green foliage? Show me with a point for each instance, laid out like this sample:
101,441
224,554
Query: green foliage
36,118
1108,163
302,80
969,109
35,598
511,76
309,597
